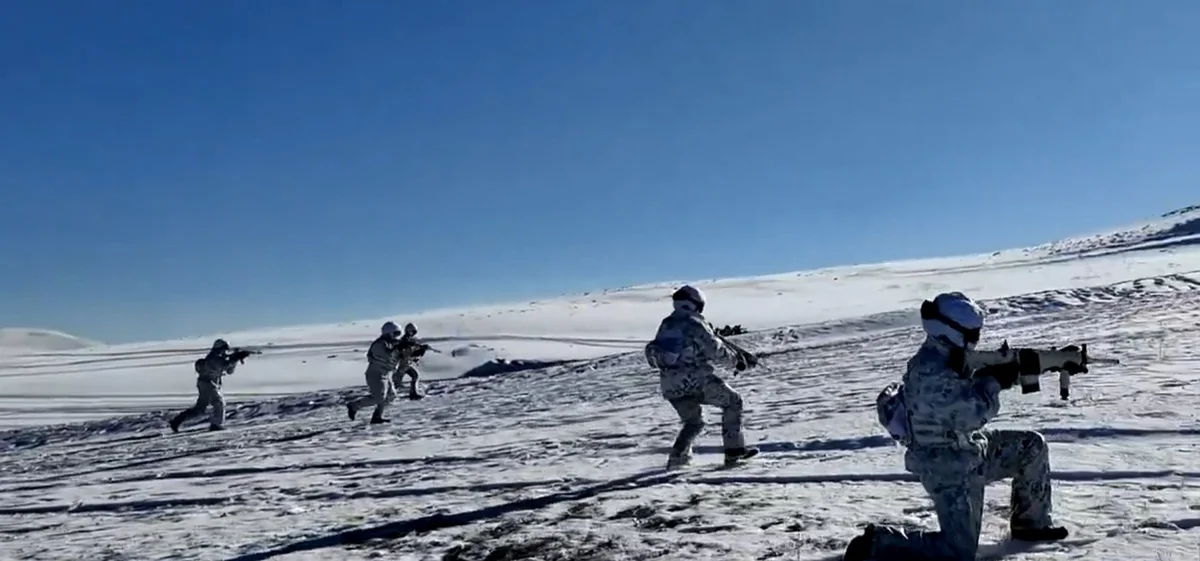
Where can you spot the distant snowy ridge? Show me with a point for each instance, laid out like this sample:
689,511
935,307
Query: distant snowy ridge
595,317
1175,228
1182,211
599,314
16,339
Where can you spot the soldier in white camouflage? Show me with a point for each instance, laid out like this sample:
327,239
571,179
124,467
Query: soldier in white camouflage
220,361
389,359
411,350
685,350
939,413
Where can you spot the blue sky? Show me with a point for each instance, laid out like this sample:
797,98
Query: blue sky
182,168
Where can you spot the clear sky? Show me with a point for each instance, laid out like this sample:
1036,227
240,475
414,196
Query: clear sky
181,168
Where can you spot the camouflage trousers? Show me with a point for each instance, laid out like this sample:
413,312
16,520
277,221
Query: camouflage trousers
398,379
382,392
958,499
210,395
714,392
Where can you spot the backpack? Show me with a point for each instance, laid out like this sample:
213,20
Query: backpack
892,411
665,350
657,357
199,366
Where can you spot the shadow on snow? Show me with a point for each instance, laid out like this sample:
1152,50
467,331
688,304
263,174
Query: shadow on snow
402,528
393,530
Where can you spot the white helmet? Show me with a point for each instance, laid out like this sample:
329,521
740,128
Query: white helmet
953,319
689,298
390,328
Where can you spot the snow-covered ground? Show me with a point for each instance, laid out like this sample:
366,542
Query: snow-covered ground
564,462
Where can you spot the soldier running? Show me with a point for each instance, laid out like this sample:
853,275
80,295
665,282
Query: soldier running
220,362
389,359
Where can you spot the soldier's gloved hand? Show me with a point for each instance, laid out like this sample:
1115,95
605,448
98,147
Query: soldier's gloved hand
1006,374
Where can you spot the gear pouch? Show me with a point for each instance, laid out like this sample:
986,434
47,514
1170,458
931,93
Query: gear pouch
891,411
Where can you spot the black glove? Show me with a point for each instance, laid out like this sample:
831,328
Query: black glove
740,366
1006,374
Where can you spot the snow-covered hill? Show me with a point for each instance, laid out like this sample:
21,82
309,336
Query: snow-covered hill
16,340
562,462
1179,227
96,382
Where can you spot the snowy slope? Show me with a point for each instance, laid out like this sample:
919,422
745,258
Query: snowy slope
98,382
1173,229
563,462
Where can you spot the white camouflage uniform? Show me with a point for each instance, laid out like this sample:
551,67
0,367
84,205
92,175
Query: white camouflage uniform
389,359
685,350
939,415
217,364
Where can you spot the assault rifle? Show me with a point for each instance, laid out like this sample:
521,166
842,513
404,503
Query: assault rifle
235,354
419,349
1032,363
240,354
749,358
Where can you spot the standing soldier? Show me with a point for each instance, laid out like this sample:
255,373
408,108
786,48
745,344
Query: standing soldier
388,359
220,362
684,350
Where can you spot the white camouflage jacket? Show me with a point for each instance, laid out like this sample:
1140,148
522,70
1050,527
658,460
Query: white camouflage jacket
686,351
939,413
215,365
